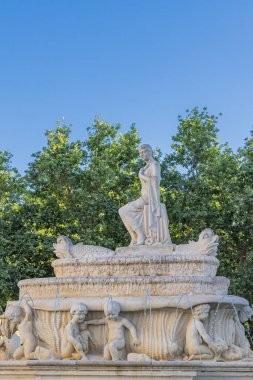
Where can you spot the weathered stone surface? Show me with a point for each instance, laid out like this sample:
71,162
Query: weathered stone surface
64,249
161,331
129,304
97,370
153,264
127,286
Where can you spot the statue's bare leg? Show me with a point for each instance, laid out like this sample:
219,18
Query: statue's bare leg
107,354
132,234
79,356
19,353
68,351
202,352
31,356
115,346
29,348
140,236
131,215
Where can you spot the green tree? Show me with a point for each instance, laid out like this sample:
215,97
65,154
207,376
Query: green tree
200,185
12,191
242,279
70,188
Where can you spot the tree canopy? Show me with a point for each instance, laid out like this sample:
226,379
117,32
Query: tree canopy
75,188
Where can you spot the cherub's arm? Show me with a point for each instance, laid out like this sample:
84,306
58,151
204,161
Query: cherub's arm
96,322
204,335
28,311
126,323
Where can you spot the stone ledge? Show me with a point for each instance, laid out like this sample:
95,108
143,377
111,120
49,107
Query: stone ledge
132,304
174,370
145,249
125,286
137,265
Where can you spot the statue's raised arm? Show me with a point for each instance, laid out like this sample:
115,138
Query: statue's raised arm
146,218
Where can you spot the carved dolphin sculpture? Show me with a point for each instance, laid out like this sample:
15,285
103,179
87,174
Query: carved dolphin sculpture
65,249
207,244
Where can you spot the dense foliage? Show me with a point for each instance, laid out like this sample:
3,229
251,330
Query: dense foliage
75,189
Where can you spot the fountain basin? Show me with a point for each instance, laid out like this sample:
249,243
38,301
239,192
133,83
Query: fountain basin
127,286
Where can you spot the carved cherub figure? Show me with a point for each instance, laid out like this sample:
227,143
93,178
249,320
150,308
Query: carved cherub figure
240,340
24,320
76,336
4,341
116,331
239,347
199,344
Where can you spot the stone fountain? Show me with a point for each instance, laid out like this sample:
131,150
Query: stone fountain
150,310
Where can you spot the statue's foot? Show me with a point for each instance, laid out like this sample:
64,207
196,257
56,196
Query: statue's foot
140,242
84,357
140,237
77,356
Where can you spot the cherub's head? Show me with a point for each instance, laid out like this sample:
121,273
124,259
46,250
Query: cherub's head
16,314
112,309
145,152
78,312
245,314
201,311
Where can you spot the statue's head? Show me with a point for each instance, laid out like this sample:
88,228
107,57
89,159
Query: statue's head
245,313
62,247
145,151
112,309
201,311
78,312
16,314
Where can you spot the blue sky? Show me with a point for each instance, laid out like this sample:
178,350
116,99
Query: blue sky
142,61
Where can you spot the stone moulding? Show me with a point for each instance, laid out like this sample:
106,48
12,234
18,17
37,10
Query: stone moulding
127,286
129,304
148,265
146,250
76,370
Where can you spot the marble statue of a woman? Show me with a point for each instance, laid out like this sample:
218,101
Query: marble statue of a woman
146,218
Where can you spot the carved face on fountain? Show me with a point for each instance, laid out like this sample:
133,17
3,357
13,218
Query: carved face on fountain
145,151
78,312
112,310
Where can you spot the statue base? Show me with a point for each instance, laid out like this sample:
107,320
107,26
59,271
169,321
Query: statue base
173,370
145,249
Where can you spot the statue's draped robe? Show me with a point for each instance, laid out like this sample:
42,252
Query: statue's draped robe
147,211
